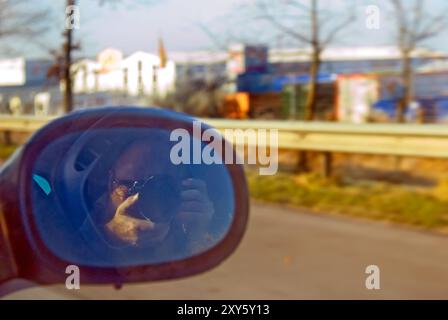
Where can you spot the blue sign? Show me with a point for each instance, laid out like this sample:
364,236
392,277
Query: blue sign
267,82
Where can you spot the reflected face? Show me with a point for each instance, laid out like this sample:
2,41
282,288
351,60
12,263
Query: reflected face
132,169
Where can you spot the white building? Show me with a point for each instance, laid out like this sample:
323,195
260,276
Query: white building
139,74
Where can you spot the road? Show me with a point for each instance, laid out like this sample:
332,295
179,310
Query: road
291,254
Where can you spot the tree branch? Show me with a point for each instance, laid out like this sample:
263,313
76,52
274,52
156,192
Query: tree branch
266,16
330,36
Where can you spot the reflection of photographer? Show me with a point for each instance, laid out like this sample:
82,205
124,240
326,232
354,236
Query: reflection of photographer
147,205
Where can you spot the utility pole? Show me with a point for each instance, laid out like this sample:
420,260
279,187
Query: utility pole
67,48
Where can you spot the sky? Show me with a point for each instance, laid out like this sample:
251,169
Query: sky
131,25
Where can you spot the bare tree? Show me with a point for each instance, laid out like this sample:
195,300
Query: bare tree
312,27
414,26
20,20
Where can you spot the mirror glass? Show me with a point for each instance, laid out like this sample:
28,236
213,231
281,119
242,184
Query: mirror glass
115,198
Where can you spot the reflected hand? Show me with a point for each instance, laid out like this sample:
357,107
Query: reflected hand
196,209
127,228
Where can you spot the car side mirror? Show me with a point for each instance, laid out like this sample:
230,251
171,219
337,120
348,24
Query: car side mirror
122,194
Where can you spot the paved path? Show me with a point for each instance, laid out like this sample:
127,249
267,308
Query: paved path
291,254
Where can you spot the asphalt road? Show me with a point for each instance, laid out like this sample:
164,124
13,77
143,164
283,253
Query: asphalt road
291,254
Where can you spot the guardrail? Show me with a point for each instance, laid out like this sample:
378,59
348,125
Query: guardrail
25,124
417,140
427,140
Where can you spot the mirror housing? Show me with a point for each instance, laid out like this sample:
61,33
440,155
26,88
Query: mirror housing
28,256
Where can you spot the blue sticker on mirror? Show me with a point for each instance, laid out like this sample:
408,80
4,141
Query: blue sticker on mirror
42,183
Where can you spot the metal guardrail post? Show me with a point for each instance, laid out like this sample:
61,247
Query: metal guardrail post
302,162
327,164
7,137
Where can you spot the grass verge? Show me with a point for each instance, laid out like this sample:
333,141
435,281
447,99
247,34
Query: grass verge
6,151
379,201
